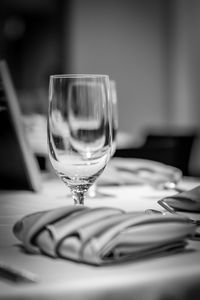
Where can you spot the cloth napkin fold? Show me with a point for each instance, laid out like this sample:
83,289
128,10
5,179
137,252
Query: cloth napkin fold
101,235
188,201
135,171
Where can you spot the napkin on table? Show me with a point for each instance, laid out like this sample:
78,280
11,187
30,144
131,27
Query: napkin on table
188,201
101,235
134,171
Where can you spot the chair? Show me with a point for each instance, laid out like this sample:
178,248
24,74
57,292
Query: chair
170,147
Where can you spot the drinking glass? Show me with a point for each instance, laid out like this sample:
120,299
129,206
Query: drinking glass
93,191
79,129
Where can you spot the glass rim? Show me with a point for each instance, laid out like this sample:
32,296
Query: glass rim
57,76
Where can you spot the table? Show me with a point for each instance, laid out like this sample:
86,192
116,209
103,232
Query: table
171,277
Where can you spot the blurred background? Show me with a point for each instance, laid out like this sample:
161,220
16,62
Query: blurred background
151,48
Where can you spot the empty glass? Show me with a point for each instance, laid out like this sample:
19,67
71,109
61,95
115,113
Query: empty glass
79,129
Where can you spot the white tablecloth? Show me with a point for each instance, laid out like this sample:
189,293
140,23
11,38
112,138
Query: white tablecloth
170,277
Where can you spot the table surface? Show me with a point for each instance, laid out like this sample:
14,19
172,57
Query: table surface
170,277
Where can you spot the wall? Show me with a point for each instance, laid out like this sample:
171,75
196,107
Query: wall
184,60
124,39
152,50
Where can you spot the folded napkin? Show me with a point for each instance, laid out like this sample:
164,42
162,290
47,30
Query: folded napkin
125,171
188,201
101,235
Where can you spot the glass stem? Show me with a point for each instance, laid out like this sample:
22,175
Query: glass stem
78,197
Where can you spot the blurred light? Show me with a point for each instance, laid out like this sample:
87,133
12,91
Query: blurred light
14,28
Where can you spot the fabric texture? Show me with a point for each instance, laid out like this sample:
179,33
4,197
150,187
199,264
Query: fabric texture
135,171
188,201
101,235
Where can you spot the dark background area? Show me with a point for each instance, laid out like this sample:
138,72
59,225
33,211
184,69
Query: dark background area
150,48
